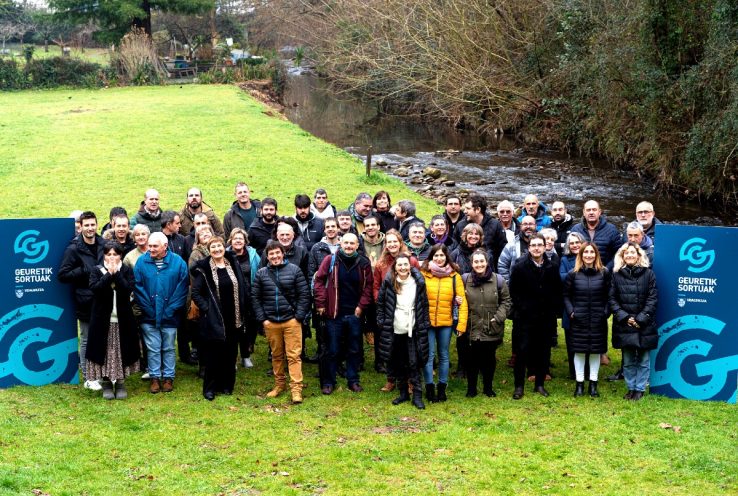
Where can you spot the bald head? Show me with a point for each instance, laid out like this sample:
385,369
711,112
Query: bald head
592,213
531,205
349,243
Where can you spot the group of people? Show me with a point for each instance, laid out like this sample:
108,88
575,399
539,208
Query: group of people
164,280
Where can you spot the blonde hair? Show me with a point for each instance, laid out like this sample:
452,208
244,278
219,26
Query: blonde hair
620,257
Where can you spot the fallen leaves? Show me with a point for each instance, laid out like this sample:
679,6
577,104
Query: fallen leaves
674,428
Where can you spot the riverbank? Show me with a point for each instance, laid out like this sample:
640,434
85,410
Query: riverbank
62,150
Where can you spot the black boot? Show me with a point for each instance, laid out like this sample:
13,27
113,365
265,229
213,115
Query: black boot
120,390
471,390
441,392
404,394
579,391
418,399
593,389
430,392
107,389
487,389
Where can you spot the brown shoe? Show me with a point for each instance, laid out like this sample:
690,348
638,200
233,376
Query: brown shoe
167,386
297,397
369,338
604,359
154,387
389,387
275,392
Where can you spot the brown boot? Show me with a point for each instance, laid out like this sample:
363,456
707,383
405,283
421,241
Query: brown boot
278,389
389,387
297,396
154,387
167,386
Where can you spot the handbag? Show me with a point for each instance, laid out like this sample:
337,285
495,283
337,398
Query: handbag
193,313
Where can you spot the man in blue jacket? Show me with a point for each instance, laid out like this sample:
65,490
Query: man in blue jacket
161,291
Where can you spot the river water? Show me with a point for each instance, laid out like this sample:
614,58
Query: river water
497,168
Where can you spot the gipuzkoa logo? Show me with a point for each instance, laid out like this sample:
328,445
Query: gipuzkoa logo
699,259
28,244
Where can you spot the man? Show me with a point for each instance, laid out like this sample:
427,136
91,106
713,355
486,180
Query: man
321,207
114,212
475,210
310,226
121,233
343,292
281,299
373,239
195,205
170,225
328,245
517,248
536,291
562,222
405,216
532,207
261,229
452,213
417,242
595,229
198,220
509,223
361,207
647,218
634,233
243,211
80,258
149,212
346,225
294,252
162,283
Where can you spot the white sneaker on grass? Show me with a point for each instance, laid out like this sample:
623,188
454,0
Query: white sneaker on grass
93,385
145,376
247,363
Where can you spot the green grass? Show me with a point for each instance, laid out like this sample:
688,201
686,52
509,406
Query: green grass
61,150
96,55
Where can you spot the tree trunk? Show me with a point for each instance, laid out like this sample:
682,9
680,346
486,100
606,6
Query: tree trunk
145,22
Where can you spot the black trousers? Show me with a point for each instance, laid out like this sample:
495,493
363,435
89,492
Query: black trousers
482,358
219,358
462,350
400,362
535,351
248,339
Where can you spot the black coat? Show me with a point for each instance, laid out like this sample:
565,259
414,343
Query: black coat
271,303
418,346
536,297
586,295
77,264
260,233
211,323
101,286
495,239
633,294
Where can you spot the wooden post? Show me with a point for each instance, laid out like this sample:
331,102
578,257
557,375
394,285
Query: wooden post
369,161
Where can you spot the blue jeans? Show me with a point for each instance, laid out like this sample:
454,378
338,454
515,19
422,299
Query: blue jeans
442,337
335,329
636,368
160,350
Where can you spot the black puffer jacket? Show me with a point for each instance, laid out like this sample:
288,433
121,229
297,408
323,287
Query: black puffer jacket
211,323
586,296
271,303
386,304
260,233
633,294
80,259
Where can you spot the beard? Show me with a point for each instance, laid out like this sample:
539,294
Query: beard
194,205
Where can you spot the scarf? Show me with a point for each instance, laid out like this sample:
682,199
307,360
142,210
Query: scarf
478,280
439,271
354,214
234,280
440,241
417,251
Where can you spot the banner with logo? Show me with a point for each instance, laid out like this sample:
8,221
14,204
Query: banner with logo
697,275
38,328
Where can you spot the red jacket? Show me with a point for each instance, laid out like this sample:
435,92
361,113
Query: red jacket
326,285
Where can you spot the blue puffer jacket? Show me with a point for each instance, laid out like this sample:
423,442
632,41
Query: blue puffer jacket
160,293
607,238
542,220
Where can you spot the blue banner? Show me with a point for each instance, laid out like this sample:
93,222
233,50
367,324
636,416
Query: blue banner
38,328
697,276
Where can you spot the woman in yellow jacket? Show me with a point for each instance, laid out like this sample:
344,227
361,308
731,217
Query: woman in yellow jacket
445,291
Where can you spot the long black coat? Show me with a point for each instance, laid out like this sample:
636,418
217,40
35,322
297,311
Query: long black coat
633,294
586,295
101,286
536,296
418,347
211,324
78,263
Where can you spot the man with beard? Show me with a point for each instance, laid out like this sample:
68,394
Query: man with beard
261,229
149,213
361,207
310,226
243,211
517,248
562,223
81,257
194,206
475,210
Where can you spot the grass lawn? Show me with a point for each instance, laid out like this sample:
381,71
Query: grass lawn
96,55
62,150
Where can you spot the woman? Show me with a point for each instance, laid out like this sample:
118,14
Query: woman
402,315
438,232
472,238
445,290
586,293
393,247
633,299
550,236
203,234
112,347
220,291
489,302
568,260
141,238
381,205
249,261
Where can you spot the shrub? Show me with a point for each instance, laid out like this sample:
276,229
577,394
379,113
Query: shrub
137,62
60,71
11,77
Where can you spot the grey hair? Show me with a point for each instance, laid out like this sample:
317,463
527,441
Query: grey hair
635,225
407,206
141,228
572,235
363,196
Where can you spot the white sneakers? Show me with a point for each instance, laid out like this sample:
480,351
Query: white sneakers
145,376
93,385
247,363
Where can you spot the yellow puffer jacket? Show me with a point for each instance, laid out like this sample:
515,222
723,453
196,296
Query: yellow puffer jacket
440,299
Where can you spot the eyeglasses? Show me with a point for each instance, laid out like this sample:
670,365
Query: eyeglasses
537,245
644,212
